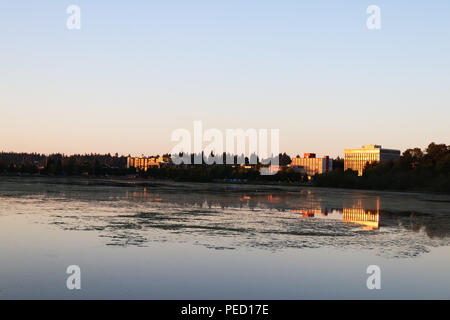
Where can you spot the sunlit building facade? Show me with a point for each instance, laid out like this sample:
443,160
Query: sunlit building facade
313,165
356,159
145,163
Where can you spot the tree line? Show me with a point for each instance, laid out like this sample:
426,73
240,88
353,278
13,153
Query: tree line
59,164
416,170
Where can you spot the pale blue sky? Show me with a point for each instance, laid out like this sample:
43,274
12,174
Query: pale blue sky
137,70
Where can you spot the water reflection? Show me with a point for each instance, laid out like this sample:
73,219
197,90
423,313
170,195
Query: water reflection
222,217
359,214
355,212
368,220
270,221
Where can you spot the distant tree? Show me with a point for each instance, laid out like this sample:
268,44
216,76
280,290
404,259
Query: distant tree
338,164
284,159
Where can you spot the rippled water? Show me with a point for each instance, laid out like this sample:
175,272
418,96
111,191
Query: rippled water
214,241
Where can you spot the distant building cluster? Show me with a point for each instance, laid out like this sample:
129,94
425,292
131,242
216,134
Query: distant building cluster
356,159
309,164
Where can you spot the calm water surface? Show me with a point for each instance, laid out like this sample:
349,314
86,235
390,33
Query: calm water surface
213,241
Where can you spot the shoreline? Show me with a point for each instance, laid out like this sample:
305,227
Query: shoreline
188,186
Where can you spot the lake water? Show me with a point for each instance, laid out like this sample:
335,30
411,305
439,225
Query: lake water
217,241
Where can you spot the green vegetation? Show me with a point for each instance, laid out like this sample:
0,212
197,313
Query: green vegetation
58,164
416,170
218,172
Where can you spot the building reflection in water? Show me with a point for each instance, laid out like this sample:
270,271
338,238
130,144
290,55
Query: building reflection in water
369,219
311,212
362,212
227,219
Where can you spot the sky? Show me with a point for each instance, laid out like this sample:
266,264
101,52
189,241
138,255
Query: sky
138,70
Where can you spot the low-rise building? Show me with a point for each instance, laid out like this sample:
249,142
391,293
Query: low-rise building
357,159
313,165
145,163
